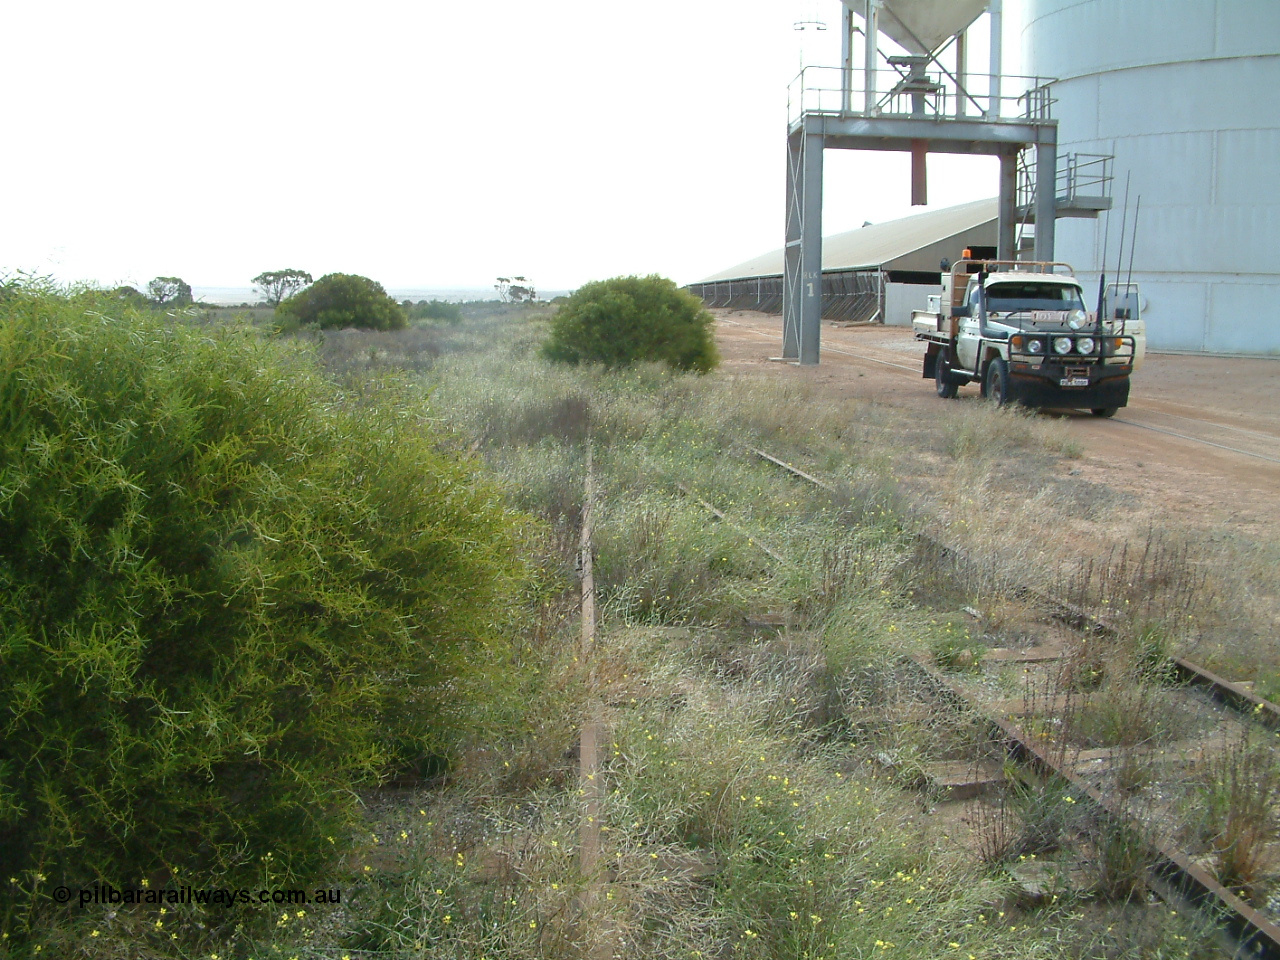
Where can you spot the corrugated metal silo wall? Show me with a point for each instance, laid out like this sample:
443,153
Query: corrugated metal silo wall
1186,93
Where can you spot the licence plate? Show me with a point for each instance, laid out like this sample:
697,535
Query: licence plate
1074,382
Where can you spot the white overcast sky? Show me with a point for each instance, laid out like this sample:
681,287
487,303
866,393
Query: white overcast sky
423,144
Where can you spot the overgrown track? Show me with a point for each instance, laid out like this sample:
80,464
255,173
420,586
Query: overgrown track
591,739
1232,694
1175,873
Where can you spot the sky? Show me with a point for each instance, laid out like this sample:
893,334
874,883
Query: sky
424,144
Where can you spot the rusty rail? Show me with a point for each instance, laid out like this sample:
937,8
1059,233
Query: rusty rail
602,937
1254,934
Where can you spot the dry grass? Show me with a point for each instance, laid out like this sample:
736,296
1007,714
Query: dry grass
1235,818
748,811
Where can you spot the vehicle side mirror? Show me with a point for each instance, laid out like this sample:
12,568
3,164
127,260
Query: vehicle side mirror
964,310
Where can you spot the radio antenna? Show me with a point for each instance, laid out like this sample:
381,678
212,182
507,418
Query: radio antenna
1124,220
1133,241
1102,272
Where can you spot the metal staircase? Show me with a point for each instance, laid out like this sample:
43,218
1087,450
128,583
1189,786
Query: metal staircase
1081,188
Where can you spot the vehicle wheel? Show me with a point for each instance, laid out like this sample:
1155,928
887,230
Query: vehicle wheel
947,387
995,386
1104,411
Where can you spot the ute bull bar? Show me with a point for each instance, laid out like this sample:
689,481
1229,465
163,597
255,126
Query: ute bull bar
1095,379
1084,348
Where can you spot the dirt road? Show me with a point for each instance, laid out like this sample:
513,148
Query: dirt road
1199,442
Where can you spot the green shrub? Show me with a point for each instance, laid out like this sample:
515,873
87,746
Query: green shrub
622,321
229,595
343,300
440,310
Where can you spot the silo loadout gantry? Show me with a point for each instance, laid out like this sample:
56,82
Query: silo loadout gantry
916,104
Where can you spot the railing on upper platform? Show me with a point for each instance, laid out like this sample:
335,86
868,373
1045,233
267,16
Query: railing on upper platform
1084,175
1082,186
915,93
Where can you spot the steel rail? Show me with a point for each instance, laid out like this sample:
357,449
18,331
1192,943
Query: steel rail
588,751
1183,436
1232,694
723,518
791,469
603,936
863,356
1254,934
1274,438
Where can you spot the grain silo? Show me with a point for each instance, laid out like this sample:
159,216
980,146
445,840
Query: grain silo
1184,93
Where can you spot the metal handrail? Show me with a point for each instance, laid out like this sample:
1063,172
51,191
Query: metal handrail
821,90
1078,175
1085,174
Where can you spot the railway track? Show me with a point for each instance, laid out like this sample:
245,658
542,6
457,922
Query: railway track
1037,728
603,937
1124,421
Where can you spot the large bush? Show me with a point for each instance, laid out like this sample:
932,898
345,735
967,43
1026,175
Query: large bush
228,597
344,300
629,319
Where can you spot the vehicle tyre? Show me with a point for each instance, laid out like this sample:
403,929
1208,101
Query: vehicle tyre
943,378
1104,411
995,386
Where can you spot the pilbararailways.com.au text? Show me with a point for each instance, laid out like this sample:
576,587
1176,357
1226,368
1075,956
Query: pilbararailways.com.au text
104,893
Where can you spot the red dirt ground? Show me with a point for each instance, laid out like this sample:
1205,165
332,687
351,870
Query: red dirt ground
1199,442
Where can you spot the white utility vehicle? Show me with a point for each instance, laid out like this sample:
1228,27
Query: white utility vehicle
1020,329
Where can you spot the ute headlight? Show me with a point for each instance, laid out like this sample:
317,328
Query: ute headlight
1035,346
1062,345
1085,344
1076,319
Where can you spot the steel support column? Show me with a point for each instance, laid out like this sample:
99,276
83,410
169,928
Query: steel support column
1007,209
811,251
802,276
791,286
846,60
1046,197
871,24
996,12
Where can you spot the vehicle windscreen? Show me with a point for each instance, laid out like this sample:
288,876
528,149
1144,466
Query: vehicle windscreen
1017,297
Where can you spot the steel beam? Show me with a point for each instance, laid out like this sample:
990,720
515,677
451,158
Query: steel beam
945,134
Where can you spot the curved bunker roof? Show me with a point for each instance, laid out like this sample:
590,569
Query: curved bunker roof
914,243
